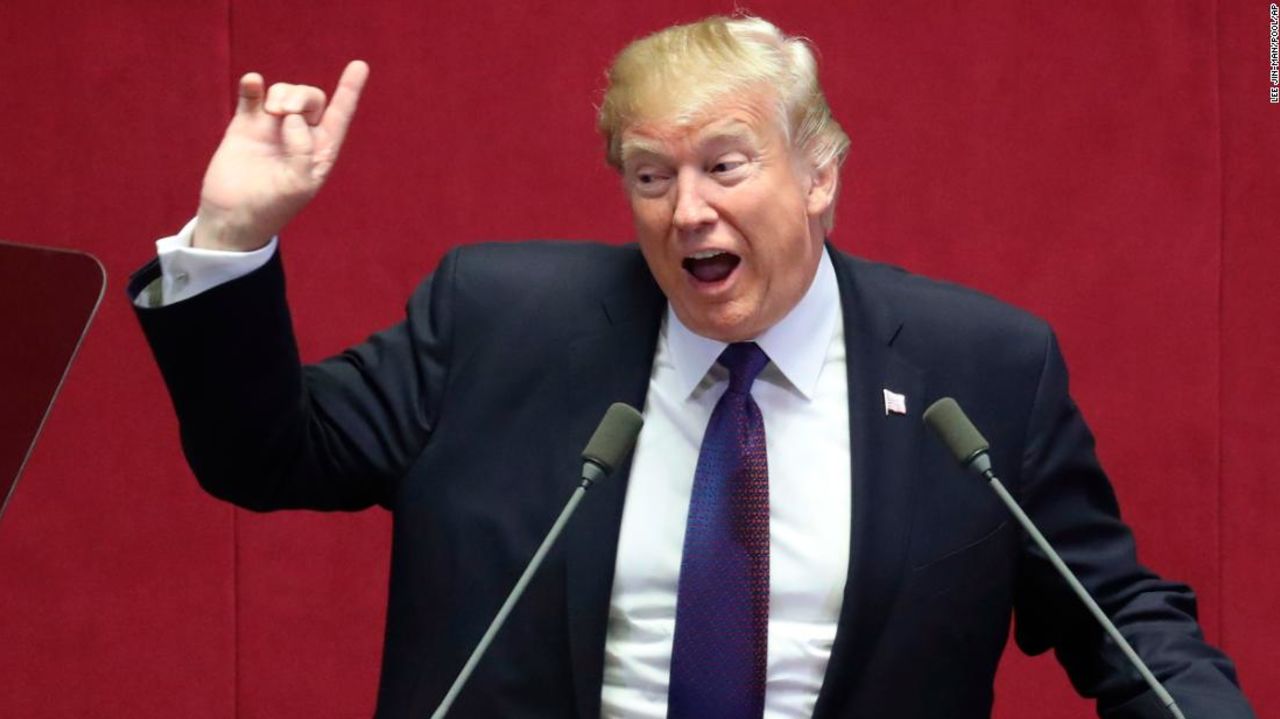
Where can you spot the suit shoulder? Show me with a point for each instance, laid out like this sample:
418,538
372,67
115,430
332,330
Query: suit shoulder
549,287
505,274
942,313
533,263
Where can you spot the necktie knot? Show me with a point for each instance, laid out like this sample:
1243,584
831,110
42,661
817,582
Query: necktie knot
745,361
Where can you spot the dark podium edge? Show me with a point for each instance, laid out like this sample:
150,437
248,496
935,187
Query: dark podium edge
84,331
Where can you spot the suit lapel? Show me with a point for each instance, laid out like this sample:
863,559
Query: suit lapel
611,363
883,448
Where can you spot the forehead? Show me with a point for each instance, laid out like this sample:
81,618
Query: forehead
749,120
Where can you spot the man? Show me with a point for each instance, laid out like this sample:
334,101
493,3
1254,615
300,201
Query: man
786,540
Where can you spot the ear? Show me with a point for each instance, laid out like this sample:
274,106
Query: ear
822,188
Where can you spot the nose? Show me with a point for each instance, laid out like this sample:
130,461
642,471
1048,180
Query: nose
692,211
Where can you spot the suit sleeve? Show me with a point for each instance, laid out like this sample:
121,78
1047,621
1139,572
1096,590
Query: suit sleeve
264,432
1066,493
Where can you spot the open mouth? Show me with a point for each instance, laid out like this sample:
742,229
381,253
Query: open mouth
711,266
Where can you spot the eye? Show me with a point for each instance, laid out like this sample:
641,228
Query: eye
729,165
645,174
649,180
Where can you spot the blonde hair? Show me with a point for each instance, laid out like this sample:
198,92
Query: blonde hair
678,71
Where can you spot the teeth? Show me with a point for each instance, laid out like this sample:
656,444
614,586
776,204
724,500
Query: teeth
705,254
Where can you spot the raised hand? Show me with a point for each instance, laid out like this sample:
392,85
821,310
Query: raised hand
276,154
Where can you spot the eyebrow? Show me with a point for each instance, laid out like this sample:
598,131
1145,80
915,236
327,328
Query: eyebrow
639,146
732,131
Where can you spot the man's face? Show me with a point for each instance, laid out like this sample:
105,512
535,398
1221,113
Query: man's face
727,216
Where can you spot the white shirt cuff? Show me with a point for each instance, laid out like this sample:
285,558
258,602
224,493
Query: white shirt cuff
186,271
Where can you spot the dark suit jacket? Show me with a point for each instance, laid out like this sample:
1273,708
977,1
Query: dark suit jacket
467,419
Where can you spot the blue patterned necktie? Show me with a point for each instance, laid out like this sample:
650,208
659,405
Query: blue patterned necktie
720,649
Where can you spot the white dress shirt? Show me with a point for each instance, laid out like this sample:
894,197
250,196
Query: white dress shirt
804,400
186,271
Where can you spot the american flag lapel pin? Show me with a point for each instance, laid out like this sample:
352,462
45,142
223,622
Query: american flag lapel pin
894,403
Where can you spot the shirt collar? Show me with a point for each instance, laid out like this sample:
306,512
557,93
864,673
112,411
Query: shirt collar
797,344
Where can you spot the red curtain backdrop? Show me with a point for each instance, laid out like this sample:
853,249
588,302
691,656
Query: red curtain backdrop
1109,166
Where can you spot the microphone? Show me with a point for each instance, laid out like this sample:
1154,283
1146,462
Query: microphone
969,447
610,443
608,447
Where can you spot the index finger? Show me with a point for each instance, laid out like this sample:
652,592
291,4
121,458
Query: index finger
337,116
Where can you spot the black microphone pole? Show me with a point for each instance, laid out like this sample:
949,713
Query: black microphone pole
609,446
969,447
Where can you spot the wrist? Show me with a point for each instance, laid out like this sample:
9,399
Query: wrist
213,232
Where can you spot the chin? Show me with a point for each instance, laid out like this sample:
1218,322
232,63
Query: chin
723,327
